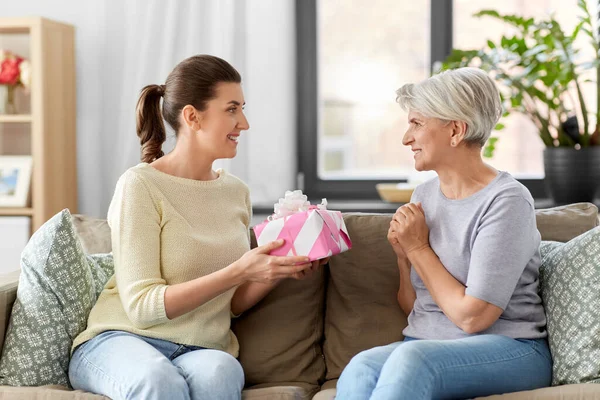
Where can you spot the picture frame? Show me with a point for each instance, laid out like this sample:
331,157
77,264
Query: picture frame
15,180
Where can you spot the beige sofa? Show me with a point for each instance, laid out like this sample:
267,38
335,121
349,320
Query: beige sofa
295,343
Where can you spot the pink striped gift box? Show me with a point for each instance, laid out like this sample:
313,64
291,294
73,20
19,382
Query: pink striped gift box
315,233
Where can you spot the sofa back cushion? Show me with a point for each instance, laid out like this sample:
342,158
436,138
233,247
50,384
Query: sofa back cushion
362,310
94,234
280,338
563,223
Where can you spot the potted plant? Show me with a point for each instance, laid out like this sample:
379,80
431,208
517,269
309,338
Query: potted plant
540,74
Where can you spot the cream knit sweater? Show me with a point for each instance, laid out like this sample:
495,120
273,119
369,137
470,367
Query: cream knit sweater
168,230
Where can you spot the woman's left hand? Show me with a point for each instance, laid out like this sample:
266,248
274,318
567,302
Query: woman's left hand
410,227
309,271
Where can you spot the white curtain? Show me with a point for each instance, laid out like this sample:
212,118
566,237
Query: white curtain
121,46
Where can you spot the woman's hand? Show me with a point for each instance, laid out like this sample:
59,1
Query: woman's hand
257,265
392,237
267,271
409,229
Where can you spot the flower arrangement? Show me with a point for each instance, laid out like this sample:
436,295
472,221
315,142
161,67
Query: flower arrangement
14,71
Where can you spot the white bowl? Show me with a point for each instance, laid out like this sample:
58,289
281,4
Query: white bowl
395,192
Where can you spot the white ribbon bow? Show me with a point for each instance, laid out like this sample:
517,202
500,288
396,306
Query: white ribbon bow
293,202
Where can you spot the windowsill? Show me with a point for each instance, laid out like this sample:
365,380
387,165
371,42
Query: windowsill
380,206
368,206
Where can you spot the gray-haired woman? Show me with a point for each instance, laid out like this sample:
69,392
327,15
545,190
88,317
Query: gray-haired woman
468,256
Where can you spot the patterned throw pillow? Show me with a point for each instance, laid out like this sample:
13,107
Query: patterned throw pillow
58,286
570,290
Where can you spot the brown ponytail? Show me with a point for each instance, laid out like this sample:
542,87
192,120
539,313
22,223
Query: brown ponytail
192,82
149,123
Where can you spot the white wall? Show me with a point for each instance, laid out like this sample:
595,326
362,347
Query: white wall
266,159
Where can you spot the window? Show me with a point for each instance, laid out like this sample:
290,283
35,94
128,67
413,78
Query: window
360,62
350,127
351,61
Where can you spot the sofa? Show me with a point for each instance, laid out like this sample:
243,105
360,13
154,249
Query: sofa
295,343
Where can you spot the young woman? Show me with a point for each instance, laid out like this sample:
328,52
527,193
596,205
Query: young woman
180,238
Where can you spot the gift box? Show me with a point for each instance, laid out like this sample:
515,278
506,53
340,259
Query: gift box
308,230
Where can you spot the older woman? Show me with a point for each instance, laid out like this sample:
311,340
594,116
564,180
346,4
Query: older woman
468,254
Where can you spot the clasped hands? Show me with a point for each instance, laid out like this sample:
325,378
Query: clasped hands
408,231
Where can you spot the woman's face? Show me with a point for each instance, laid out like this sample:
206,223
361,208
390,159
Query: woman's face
223,120
428,138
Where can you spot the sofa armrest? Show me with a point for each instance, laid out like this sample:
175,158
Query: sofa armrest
8,294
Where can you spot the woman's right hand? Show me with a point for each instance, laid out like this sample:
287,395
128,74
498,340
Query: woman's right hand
392,237
257,265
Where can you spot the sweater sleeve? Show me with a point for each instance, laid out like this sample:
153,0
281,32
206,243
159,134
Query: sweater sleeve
248,226
507,239
135,222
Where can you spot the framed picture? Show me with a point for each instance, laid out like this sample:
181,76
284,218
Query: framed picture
15,180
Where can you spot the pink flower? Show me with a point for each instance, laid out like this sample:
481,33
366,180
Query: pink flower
9,70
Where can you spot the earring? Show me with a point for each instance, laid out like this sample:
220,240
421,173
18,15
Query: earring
453,143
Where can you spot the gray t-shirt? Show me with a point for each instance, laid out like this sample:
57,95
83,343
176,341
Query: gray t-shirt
490,243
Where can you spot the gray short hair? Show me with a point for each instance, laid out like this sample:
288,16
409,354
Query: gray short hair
463,94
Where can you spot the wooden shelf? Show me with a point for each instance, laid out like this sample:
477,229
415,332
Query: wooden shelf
46,129
4,211
15,118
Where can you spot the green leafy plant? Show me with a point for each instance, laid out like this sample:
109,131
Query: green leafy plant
540,75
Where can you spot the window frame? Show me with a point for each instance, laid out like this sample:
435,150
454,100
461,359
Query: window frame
441,34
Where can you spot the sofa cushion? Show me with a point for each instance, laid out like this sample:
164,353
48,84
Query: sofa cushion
362,310
570,290
325,394
280,338
563,223
566,392
283,391
53,392
58,286
280,391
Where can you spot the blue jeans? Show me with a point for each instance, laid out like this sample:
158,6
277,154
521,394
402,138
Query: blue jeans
121,365
479,365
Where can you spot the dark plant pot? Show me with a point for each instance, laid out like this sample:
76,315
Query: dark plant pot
572,176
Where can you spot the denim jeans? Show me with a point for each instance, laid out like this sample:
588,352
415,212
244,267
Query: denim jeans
447,369
121,365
